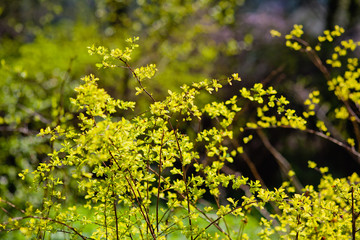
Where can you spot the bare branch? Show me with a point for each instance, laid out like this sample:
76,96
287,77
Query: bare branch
284,164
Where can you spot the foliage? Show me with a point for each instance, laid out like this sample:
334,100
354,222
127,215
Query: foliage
43,55
329,213
36,83
144,177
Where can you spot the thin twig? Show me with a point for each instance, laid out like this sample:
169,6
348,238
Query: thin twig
51,220
354,216
116,217
62,87
281,160
184,176
159,184
250,163
144,213
247,192
314,57
105,215
209,219
34,113
145,216
11,205
23,130
319,64
137,78
319,134
217,219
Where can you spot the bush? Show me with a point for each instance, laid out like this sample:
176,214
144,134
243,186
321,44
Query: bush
151,174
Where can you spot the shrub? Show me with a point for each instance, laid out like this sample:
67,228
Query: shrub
148,175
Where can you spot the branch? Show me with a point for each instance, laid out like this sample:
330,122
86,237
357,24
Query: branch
246,189
51,220
217,219
319,64
314,57
23,130
319,134
337,142
209,219
145,216
137,78
11,205
250,164
116,217
280,159
159,183
184,175
32,112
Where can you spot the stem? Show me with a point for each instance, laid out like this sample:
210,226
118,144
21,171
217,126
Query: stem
337,142
184,177
247,192
241,228
145,215
105,217
217,219
159,184
209,219
281,160
62,87
137,78
353,215
250,163
116,218
11,205
314,58
227,227
253,169
51,220
357,134
322,135
319,64
297,232
34,113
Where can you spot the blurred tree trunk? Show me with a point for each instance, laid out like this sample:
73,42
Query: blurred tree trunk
354,12
342,12
333,6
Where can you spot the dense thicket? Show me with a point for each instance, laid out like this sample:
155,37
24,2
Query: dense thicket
187,136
